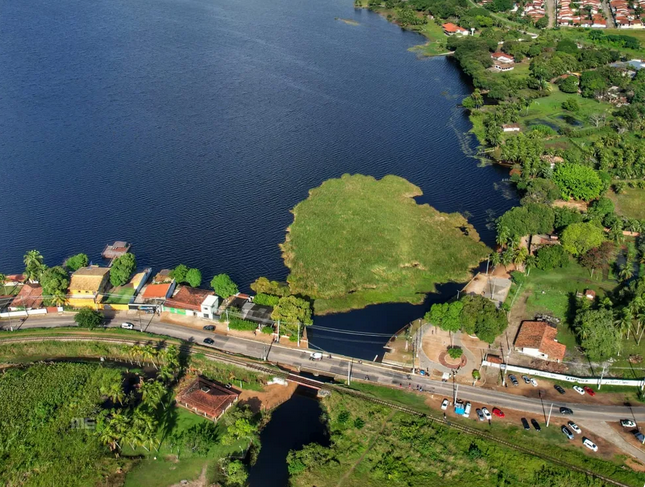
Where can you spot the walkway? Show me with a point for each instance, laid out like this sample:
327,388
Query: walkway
551,12
608,15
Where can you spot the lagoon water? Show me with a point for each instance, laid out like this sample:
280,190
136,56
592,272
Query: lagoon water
192,127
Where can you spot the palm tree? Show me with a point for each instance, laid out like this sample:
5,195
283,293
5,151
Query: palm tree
165,373
495,259
149,352
33,265
627,272
530,263
502,236
136,352
59,298
115,392
507,257
520,256
3,279
624,322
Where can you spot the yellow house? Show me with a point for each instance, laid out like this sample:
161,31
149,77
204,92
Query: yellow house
86,285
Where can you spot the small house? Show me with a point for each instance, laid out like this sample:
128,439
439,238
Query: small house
451,29
538,339
503,67
29,297
207,398
590,294
117,249
187,301
209,307
502,57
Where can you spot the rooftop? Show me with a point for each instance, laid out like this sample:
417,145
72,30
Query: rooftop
155,291
540,335
117,249
88,279
188,298
30,296
207,397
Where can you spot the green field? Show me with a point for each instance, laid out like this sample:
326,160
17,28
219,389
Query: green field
120,295
357,241
436,40
630,203
372,445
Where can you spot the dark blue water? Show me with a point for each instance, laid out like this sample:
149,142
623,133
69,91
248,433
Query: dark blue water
293,425
192,127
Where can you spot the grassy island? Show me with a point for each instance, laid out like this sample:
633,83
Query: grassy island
357,241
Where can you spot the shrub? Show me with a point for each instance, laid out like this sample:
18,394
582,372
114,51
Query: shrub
266,299
577,181
359,423
476,375
267,330
242,325
551,257
343,417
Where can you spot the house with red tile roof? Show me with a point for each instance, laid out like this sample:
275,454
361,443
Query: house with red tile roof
538,339
189,300
451,29
207,398
502,57
29,297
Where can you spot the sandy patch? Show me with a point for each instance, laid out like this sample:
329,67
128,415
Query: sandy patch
272,396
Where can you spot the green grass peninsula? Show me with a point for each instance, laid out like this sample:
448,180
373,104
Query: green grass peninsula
357,241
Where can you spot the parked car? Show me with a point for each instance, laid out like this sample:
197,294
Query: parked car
526,379
209,341
498,412
467,410
534,383
564,410
525,423
574,427
444,404
486,414
589,391
208,328
579,390
480,415
536,425
127,326
567,433
514,380
560,389
627,423
589,444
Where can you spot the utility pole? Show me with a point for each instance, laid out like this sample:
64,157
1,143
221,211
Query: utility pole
549,418
349,372
298,334
602,374
278,339
487,263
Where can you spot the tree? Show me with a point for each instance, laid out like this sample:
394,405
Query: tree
194,277
597,335
75,262
292,310
578,238
179,273
571,104
481,317
455,352
578,182
54,281
34,265
446,315
542,22
122,268
236,473
224,286
241,429
88,318
598,257
569,85
262,285
552,257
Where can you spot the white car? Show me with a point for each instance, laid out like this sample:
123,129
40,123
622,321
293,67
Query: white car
467,410
579,390
627,423
127,326
574,427
444,404
487,414
589,444
534,383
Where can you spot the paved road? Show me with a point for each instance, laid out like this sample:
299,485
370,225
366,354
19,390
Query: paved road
376,373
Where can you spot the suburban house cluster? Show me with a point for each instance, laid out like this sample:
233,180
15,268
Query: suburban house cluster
534,9
625,14
582,13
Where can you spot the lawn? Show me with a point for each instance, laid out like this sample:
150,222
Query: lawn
630,203
554,291
120,295
358,241
436,40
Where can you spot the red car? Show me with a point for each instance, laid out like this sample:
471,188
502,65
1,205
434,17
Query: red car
589,391
498,412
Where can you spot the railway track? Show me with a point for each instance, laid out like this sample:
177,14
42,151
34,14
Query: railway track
481,434
255,367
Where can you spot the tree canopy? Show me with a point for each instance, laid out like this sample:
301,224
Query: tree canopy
122,268
578,238
224,286
597,334
88,318
75,262
292,309
526,220
193,277
55,282
34,265
578,182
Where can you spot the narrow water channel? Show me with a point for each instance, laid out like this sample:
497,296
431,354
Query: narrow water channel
293,424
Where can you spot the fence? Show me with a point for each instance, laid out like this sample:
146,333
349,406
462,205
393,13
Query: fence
567,378
17,314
